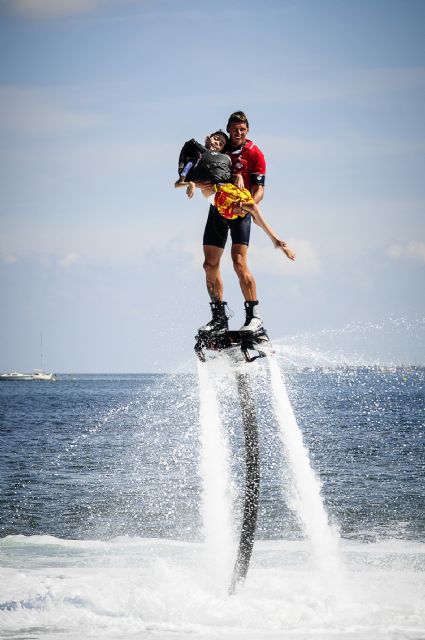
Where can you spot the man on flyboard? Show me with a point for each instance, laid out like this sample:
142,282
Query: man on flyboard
249,168
230,172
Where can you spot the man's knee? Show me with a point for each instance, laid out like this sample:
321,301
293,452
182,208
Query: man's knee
211,265
212,258
239,263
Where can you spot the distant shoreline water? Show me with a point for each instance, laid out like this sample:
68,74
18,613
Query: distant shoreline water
289,368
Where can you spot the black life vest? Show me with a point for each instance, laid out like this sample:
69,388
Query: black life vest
208,166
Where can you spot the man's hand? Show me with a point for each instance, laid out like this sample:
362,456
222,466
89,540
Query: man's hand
238,181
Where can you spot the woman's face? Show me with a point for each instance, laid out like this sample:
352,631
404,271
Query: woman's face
217,142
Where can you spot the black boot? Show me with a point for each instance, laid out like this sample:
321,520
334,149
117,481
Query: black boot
219,322
253,320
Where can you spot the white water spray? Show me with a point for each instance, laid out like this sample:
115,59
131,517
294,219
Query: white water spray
307,500
216,481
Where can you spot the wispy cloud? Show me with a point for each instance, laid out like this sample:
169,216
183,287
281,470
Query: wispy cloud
39,111
413,250
265,258
346,146
50,8
354,86
274,261
357,85
8,259
70,259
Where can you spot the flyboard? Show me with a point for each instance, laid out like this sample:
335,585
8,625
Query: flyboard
242,347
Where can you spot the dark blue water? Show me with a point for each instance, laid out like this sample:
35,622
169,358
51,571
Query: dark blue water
105,456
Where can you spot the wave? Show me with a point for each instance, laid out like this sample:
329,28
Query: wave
161,588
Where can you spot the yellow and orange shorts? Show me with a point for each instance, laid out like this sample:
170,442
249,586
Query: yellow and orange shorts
227,196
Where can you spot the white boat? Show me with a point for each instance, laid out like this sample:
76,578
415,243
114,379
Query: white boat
40,375
37,375
16,376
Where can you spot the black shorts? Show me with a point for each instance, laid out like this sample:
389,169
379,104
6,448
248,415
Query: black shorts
217,229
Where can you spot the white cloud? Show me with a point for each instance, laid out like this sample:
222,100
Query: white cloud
35,111
50,8
347,146
413,250
9,259
99,242
264,258
364,86
416,250
68,260
354,85
110,157
274,261
195,252
395,251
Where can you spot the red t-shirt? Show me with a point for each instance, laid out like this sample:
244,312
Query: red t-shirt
250,162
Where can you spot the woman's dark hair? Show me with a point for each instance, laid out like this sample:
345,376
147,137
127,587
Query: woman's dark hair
221,133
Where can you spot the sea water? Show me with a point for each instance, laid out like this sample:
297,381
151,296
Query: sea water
103,495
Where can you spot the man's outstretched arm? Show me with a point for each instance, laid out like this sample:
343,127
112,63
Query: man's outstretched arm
257,193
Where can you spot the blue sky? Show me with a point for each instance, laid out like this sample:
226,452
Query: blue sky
99,252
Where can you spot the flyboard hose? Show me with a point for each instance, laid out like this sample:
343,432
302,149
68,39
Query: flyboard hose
251,348
252,480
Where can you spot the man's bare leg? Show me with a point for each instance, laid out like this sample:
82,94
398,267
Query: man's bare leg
219,320
212,272
253,320
240,265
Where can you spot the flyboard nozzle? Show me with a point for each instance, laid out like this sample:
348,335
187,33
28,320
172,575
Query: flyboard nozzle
249,343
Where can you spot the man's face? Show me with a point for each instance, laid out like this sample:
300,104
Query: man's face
238,132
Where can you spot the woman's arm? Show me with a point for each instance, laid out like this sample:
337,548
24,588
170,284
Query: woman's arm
259,220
